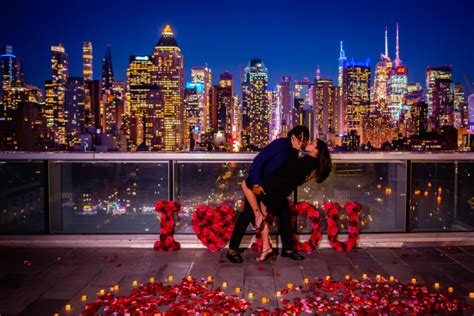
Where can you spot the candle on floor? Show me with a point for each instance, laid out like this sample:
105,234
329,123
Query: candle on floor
450,289
134,283
237,290
328,277
364,276
189,278
68,307
251,295
84,298
224,285
278,293
170,278
102,292
347,277
436,285
116,287
471,295
306,280
209,278
264,300
392,278
413,281
289,285
152,280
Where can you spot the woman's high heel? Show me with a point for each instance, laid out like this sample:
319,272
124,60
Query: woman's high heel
260,227
267,254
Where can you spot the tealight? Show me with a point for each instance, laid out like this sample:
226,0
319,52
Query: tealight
436,285
391,278
306,280
251,296
237,290
116,287
328,277
68,307
364,276
84,298
102,292
347,277
209,278
170,278
134,283
224,285
413,281
278,293
378,277
189,278
471,295
290,285
264,300
450,289
152,280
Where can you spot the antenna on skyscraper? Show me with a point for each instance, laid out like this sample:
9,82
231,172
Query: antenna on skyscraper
397,54
386,42
342,54
318,73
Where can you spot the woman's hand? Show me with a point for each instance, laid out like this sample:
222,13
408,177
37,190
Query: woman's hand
311,176
257,189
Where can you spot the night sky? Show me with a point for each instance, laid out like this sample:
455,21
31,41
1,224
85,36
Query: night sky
291,37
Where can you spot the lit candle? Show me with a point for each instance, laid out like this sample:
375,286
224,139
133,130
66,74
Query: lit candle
102,292
392,278
251,295
134,283
378,277
170,278
328,277
209,278
450,289
347,277
68,307
413,281
436,285
84,298
224,285
237,290
264,300
471,295
189,278
278,293
152,280
116,287
289,285
364,276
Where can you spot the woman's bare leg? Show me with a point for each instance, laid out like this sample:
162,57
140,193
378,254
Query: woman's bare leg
252,199
266,245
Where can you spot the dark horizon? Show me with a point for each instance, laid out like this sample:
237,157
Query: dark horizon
432,33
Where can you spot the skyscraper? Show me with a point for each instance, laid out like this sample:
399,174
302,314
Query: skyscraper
168,59
325,108
382,71
60,74
460,106
12,88
397,84
342,97
222,105
443,103
192,108
74,106
87,70
356,86
470,102
283,91
107,71
203,76
256,110
432,74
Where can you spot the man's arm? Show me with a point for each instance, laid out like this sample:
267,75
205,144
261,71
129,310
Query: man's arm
262,158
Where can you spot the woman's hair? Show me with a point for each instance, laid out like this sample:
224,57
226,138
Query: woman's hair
324,161
298,131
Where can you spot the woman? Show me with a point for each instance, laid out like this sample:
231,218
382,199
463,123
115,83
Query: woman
278,186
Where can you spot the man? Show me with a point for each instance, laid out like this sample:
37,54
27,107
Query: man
269,160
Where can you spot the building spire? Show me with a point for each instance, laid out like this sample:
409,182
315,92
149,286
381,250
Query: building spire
342,54
386,42
318,73
398,62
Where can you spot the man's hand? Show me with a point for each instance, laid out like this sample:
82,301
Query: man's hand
257,189
312,175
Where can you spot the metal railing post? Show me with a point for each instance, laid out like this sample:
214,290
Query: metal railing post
408,197
46,196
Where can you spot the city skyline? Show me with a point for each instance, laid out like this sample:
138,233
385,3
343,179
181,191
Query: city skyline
366,40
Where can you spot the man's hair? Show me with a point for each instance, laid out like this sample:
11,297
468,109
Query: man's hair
324,161
300,131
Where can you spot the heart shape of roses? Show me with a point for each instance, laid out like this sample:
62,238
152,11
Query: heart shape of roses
214,226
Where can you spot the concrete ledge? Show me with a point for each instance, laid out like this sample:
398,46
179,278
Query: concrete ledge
390,240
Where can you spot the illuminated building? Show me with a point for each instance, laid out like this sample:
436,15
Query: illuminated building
87,70
470,102
382,71
283,95
341,100
56,96
419,116
12,77
74,106
168,59
325,108
300,98
92,107
107,71
274,114
357,92
460,107
256,110
432,74
236,125
442,103
377,128
222,104
397,84
144,106
193,109
203,76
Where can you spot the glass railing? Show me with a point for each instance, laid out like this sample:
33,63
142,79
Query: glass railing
101,193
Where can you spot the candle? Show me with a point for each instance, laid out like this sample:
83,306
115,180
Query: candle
264,300
413,280
134,283
436,285
116,287
170,278
189,278
328,277
68,307
102,292
224,285
471,295
347,277
278,293
306,280
152,280
290,285
209,278
364,276
84,298
450,289
251,295
392,278
378,277
237,290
